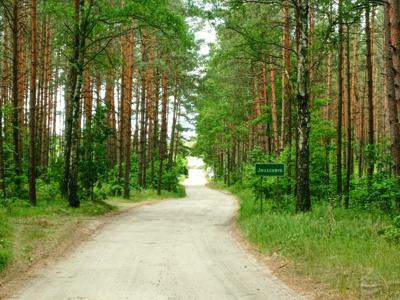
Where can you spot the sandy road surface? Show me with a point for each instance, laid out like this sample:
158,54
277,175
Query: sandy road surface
178,249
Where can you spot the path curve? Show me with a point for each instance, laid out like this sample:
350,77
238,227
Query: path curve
177,249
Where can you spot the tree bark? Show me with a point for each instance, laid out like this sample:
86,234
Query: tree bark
392,51
128,99
72,129
286,126
142,140
274,107
150,105
173,129
3,100
111,123
370,95
32,111
156,133
303,196
328,113
339,182
349,124
46,100
16,93
164,127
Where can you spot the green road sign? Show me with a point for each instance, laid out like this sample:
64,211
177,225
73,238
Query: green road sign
270,170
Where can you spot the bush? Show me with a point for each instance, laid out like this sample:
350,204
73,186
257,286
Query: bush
380,195
47,192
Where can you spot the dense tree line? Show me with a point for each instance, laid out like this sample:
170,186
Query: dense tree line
92,96
312,84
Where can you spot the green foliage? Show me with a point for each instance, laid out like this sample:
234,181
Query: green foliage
322,132
392,232
113,185
379,194
48,192
93,164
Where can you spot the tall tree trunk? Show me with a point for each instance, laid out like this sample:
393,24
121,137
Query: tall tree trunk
362,131
164,128
261,101
328,113
177,134
16,93
3,100
349,124
286,126
311,42
288,90
274,107
339,182
22,79
142,141
137,109
109,99
392,55
32,111
303,203
98,85
72,130
156,126
354,93
370,94
40,95
173,129
150,105
128,99
122,110
87,95
47,100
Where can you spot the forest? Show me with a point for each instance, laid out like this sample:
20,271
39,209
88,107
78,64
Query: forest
314,85
97,98
90,93
94,100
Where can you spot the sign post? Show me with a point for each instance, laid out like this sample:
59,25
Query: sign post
268,170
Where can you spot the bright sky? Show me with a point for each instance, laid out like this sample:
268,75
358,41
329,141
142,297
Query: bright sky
204,31
204,37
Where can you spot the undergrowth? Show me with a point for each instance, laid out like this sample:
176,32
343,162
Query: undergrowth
355,251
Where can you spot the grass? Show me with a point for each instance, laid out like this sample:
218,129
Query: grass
343,248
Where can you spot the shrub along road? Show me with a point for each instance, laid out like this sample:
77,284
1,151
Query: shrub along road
178,249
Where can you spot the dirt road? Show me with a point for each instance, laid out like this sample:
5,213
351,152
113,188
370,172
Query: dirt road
177,249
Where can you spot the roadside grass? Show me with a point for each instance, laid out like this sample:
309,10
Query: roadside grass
346,249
